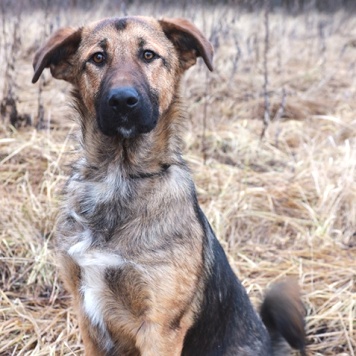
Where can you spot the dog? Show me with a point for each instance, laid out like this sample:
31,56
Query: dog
145,270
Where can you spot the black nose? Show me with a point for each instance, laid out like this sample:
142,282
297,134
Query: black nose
123,99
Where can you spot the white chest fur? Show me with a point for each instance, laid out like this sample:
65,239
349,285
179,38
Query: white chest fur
93,263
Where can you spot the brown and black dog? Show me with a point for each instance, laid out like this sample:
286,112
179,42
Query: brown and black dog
146,272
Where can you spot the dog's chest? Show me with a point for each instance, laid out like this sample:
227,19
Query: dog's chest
126,292
134,267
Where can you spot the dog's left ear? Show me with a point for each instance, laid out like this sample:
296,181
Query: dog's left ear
189,42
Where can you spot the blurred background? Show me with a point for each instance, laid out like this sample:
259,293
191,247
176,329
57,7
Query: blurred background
270,139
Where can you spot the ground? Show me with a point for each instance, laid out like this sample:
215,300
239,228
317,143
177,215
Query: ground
282,203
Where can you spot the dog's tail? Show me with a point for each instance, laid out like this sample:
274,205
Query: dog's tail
283,313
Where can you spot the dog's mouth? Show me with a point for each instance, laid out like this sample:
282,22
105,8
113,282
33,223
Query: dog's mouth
125,129
133,131
126,132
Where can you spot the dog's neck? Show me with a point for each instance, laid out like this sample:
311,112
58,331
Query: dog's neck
144,156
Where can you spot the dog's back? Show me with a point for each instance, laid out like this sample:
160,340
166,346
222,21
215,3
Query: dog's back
228,324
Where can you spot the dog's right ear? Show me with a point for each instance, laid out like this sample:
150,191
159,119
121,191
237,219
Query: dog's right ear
189,42
56,53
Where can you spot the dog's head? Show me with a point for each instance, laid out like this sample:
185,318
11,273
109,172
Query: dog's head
126,70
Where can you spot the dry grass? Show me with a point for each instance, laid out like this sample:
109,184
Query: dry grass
281,206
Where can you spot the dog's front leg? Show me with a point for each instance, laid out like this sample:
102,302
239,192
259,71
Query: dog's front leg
71,275
91,347
157,340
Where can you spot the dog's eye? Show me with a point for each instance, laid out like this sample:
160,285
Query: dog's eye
148,55
98,58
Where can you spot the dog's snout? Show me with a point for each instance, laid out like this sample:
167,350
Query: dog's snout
126,110
123,99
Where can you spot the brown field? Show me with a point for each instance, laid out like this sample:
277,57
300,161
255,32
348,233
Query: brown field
283,205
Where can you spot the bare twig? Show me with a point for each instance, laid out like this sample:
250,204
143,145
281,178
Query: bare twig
282,107
123,8
267,116
40,107
279,114
12,45
237,56
205,114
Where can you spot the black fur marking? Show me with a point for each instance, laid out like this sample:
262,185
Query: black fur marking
121,24
83,67
104,44
227,321
165,63
141,42
162,171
